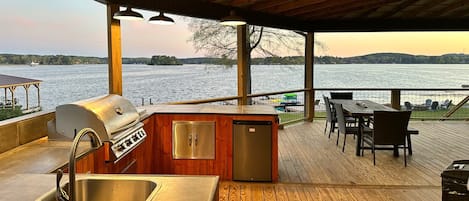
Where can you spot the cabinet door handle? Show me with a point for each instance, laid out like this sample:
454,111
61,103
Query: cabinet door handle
190,140
196,139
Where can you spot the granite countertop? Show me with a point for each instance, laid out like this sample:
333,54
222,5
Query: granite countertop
170,187
39,156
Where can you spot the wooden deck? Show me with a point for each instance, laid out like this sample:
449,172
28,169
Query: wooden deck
312,167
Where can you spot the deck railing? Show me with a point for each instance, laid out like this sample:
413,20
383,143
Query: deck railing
290,103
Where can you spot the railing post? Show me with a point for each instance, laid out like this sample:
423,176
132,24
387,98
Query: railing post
396,99
309,93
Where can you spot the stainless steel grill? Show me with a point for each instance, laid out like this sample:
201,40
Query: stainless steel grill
113,117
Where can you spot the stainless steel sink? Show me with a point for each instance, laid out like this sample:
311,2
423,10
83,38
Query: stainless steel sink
91,189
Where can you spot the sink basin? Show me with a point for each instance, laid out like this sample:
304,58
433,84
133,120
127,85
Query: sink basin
109,189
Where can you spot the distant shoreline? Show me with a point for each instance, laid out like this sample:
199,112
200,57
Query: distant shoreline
377,58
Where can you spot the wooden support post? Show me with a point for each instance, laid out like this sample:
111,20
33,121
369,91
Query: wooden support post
12,91
309,69
114,51
26,89
38,95
456,107
243,59
396,99
4,104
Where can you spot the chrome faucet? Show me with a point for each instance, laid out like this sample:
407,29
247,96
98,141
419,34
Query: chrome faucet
95,144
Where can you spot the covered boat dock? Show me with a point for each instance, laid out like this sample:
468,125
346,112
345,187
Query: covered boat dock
10,83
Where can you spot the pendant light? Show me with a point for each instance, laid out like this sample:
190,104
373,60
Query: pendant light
128,14
161,19
232,20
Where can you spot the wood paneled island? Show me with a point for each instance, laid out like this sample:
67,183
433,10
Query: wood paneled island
161,135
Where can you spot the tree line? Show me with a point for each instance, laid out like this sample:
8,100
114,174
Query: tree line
378,58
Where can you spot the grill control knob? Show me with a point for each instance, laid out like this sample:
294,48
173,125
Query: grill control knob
128,142
121,147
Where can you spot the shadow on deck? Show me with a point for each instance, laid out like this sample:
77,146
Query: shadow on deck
312,167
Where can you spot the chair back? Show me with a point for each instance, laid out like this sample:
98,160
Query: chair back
390,127
329,114
434,105
408,105
339,112
428,102
342,95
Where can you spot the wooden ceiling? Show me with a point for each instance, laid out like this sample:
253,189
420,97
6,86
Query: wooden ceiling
324,15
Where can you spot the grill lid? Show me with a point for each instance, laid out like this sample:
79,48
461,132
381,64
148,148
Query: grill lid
107,115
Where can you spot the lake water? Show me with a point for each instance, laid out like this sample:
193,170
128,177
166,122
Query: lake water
65,84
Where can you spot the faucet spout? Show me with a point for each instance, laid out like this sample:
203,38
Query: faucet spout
95,144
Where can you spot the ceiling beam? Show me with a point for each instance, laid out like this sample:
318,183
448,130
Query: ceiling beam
341,10
398,8
393,24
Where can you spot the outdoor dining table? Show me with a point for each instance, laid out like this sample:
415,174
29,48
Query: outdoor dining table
361,109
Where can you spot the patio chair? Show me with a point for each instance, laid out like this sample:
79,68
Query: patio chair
446,104
408,106
342,95
428,103
343,125
389,129
434,106
330,116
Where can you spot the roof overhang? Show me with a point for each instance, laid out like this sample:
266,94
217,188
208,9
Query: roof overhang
322,15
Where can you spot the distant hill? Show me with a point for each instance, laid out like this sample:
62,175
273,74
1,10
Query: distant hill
395,58
377,58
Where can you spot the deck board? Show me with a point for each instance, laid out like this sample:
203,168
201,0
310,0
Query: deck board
312,167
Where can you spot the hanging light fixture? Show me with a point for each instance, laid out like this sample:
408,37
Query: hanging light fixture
232,20
161,19
128,14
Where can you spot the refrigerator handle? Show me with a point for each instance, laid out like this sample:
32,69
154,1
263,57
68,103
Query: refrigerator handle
196,139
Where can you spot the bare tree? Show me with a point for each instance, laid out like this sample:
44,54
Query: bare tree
218,40
221,41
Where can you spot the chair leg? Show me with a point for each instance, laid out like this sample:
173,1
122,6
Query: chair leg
345,138
405,155
409,144
374,153
338,135
331,125
362,145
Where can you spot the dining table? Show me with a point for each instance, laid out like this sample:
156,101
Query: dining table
361,109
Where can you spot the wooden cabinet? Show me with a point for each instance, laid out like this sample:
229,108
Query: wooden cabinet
221,165
144,152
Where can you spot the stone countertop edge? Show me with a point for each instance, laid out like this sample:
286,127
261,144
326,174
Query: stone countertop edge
209,109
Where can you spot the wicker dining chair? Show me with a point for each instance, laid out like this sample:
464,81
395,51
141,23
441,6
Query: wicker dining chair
330,116
389,129
343,126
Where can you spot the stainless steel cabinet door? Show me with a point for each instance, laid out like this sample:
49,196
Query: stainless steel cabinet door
204,140
182,139
193,140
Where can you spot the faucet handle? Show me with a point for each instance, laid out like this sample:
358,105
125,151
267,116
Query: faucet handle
60,194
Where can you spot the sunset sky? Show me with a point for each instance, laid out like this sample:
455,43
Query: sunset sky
79,28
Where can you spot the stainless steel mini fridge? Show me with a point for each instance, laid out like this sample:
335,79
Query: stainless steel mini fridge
252,150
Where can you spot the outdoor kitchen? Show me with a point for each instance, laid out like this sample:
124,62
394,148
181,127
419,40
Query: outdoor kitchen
123,143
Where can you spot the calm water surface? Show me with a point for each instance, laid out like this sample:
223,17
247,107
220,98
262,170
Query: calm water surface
65,84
